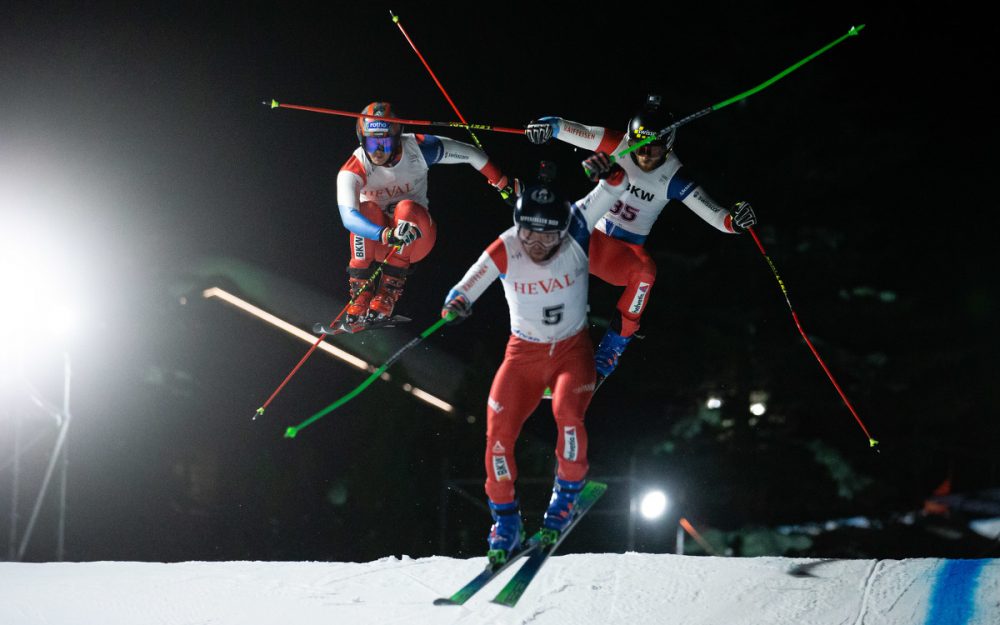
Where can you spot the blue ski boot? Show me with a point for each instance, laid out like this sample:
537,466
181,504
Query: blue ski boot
506,534
608,352
560,512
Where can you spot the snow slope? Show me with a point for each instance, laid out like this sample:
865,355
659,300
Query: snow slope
587,589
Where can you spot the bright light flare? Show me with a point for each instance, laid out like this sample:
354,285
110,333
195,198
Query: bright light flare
333,350
713,403
758,408
33,295
653,504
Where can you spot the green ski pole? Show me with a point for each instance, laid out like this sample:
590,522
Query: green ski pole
292,431
853,32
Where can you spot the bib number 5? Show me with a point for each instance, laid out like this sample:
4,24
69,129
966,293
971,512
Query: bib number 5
551,315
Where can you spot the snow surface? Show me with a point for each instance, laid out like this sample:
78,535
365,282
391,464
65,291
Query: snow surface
586,589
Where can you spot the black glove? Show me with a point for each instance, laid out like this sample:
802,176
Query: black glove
540,130
510,190
403,234
598,166
459,306
742,217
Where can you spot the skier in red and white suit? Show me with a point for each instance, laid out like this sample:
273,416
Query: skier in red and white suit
543,264
382,197
656,176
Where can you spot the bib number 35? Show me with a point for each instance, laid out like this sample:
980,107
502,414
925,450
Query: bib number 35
623,210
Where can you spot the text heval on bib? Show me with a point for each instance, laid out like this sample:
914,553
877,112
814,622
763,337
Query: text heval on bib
540,287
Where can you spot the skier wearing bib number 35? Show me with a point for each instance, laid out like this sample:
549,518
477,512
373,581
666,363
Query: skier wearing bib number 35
542,262
655,176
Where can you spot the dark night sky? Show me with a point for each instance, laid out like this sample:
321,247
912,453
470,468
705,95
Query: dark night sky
135,141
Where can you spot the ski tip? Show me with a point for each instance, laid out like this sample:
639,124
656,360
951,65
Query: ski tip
445,601
291,432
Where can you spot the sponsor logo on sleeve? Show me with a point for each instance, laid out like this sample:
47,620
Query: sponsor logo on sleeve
580,132
359,247
473,279
707,201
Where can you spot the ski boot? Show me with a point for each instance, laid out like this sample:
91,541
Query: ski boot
506,534
357,310
560,512
608,352
390,288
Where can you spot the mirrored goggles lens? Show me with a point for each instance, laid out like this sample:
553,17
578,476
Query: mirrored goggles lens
385,144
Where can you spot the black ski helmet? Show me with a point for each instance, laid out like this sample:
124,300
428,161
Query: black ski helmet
650,120
540,207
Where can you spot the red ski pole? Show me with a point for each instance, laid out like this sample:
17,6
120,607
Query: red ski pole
395,20
871,441
413,122
322,337
505,193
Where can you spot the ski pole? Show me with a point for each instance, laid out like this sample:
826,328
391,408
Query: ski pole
871,441
684,523
505,194
293,430
853,32
371,279
475,139
413,122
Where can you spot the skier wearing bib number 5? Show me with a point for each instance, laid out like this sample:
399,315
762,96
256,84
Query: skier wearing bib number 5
543,263
656,176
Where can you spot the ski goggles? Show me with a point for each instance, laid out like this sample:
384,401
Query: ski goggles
544,239
385,144
653,148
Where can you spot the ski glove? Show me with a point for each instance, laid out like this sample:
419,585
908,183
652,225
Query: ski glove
403,234
510,190
540,130
742,217
458,306
599,165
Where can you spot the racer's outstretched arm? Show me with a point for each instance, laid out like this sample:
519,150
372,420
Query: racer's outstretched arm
593,138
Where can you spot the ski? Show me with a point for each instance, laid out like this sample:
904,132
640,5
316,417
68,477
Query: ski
510,593
345,328
479,581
